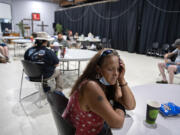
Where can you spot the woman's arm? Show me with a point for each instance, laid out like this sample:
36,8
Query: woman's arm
127,98
167,56
95,99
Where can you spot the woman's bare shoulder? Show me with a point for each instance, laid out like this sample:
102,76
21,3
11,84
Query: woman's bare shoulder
93,85
92,88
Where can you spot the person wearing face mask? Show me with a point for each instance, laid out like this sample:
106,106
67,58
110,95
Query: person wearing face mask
100,96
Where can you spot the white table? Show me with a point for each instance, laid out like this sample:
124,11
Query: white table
87,42
11,37
7,38
57,45
20,42
162,93
75,55
82,39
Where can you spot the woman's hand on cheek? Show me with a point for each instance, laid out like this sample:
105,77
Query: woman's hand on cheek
118,92
122,71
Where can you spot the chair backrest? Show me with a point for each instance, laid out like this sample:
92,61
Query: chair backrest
104,40
86,43
155,45
109,43
32,70
58,104
165,47
63,126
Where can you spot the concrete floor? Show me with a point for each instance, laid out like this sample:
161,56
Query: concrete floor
28,119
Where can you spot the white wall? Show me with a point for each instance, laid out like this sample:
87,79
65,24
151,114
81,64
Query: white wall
24,9
5,11
4,2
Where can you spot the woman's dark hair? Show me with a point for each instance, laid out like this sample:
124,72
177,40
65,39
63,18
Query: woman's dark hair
39,43
59,33
90,71
34,34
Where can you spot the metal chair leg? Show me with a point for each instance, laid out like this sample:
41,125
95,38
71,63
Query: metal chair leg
21,85
79,68
20,92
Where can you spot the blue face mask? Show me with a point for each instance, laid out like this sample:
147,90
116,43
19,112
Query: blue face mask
103,81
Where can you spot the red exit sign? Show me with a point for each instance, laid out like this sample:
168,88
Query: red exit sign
36,16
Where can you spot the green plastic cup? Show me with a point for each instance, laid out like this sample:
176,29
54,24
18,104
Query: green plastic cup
152,111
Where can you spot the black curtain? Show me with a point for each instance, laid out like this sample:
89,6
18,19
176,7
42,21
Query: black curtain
71,19
95,21
124,24
132,25
160,23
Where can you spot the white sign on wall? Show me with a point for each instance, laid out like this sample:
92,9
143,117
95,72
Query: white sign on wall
5,11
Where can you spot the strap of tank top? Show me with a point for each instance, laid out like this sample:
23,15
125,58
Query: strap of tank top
82,83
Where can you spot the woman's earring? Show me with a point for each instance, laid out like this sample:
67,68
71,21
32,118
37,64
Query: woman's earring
97,76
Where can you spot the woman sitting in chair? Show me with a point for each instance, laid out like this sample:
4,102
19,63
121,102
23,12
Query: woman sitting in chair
100,96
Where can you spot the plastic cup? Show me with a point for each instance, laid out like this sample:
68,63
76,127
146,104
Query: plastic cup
152,112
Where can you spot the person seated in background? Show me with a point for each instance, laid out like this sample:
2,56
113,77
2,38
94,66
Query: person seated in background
33,36
70,39
172,67
100,96
60,40
76,35
90,35
6,32
41,54
4,49
2,58
69,35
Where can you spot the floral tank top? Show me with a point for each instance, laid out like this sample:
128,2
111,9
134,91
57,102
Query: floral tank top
86,123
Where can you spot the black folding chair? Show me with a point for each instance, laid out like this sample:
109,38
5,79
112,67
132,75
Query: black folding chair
153,50
34,74
57,101
106,43
85,44
163,50
58,104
